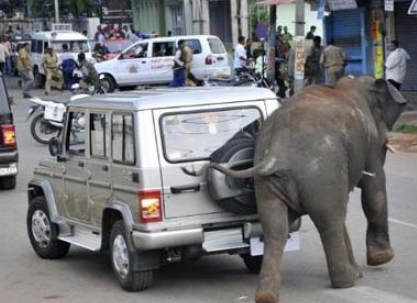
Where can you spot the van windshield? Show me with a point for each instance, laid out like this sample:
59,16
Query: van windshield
75,46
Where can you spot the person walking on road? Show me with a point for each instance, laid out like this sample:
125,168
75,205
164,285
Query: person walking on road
179,66
51,70
334,60
68,65
25,68
239,58
396,64
188,63
4,54
313,69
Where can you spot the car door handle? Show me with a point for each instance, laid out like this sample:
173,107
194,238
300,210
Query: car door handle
180,189
80,164
105,168
143,62
220,58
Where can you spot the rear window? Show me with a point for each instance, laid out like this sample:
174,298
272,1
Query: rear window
195,45
216,46
4,102
195,135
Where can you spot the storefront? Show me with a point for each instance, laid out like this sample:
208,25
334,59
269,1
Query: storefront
406,34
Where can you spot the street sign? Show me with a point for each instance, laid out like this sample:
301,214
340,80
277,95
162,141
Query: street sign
336,5
389,5
299,57
413,8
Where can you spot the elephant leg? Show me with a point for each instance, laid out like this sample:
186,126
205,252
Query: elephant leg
273,214
374,204
356,268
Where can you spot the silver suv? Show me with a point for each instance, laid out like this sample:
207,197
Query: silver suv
118,180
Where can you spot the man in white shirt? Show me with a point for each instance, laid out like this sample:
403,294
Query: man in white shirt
239,60
396,64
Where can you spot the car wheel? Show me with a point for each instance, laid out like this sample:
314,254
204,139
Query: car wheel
39,79
8,182
236,150
108,84
42,232
121,260
252,263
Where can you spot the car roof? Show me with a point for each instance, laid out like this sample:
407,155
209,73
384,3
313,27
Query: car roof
116,40
60,35
174,38
171,98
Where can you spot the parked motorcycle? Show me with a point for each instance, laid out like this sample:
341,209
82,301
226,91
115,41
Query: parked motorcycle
48,115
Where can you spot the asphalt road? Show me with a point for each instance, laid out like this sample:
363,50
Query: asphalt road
87,277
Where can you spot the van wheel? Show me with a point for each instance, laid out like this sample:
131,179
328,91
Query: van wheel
238,149
108,84
252,263
8,182
121,260
42,232
39,79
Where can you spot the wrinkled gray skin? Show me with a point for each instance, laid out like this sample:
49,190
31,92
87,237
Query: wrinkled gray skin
309,155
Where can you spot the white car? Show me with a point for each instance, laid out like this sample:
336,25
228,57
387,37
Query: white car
76,42
150,61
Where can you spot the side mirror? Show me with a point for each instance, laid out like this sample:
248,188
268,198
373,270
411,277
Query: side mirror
54,147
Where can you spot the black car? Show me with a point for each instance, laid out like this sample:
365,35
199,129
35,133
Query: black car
8,143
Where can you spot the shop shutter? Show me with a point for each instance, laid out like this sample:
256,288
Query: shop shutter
406,34
347,30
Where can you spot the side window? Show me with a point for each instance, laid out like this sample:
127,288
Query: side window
195,45
163,49
33,46
216,46
75,141
98,135
123,144
39,46
136,51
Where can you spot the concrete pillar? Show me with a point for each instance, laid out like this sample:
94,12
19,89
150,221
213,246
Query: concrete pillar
188,17
244,18
234,16
206,17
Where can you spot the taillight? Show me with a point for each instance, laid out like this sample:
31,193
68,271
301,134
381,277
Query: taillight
150,206
209,60
8,135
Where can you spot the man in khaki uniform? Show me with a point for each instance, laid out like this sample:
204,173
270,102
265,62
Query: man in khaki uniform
188,55
25,67
334,60
51,70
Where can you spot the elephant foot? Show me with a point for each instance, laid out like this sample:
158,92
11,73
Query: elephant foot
357,272
263,296
345,279
343,283
377,256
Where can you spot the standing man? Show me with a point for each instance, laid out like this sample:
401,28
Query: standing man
25,68
4,54
51,70
188,64
334,60
287,37
396,65
239,58
179,66
88,71
310,35
313,69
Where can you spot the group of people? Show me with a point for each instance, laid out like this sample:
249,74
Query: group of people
58,69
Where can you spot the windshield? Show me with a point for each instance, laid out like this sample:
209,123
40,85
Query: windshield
117,47
74,46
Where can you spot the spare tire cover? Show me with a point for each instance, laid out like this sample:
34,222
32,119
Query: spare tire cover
234,195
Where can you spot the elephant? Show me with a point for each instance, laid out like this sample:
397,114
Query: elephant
309,155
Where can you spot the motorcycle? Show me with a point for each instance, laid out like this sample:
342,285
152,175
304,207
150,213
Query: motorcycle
49,115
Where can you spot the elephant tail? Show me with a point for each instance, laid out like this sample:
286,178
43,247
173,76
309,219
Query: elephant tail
264,168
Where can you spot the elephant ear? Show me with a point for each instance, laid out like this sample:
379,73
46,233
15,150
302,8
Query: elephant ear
390,100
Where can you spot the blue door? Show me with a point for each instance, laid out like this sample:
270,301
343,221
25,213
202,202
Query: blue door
347,29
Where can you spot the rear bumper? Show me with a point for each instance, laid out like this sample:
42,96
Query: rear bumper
8,157
193,236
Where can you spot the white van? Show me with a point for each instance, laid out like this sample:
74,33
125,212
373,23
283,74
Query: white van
150,61
76,42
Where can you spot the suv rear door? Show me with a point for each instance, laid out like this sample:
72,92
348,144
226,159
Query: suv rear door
186,138
217,61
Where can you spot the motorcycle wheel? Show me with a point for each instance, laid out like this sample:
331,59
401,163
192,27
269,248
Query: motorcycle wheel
42,131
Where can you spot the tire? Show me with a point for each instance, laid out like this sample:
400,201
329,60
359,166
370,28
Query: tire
121,261
8,182
236,149
42,232
253,263
38,129
108,84
39,78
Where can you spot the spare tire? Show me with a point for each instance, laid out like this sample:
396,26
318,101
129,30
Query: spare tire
234,195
